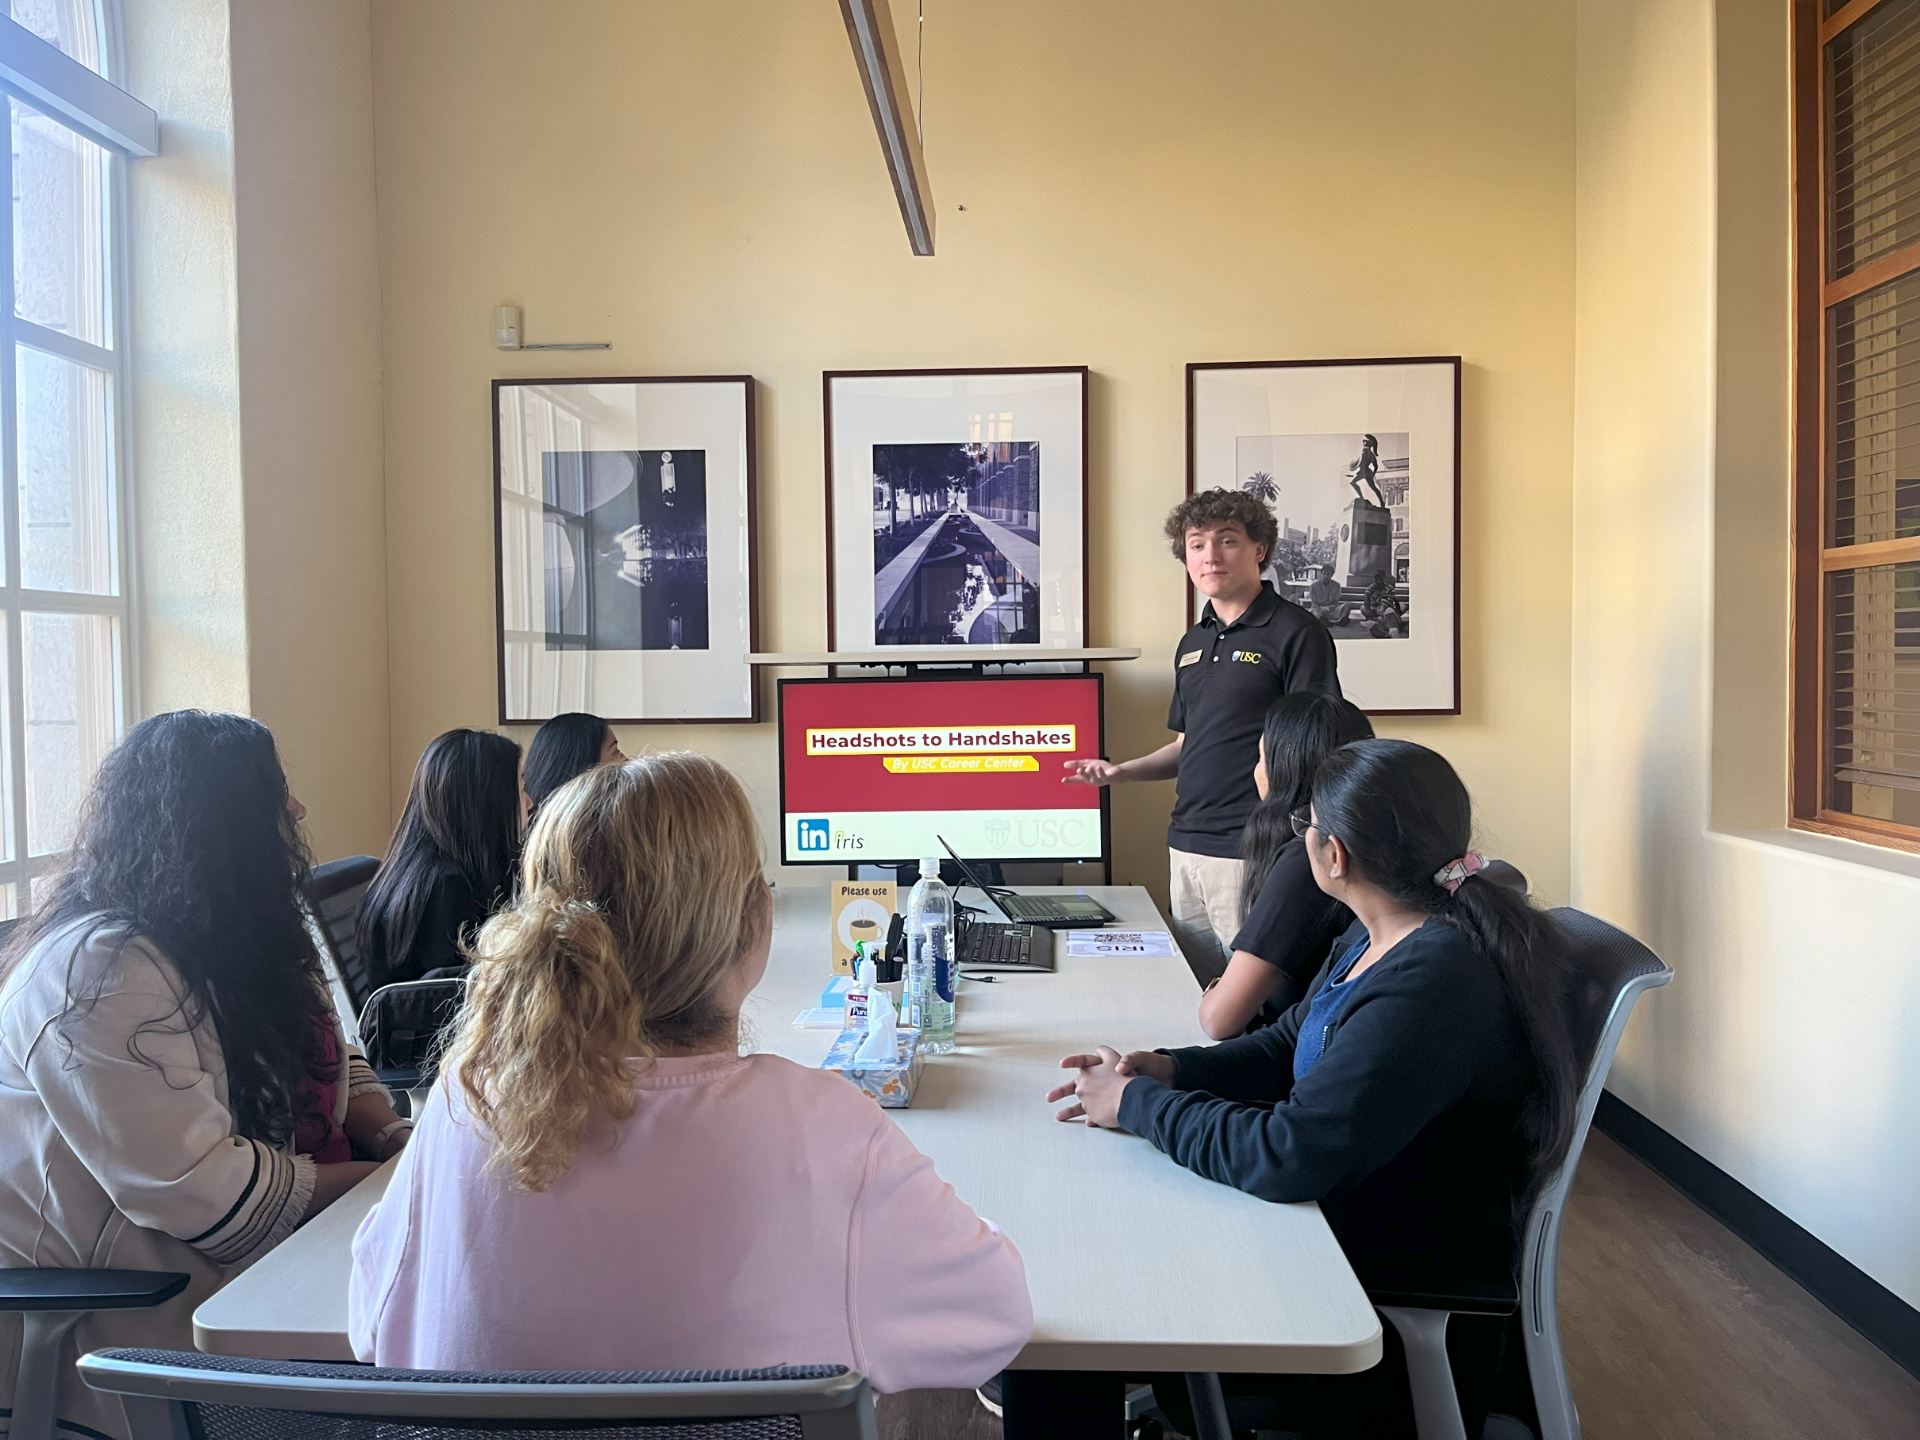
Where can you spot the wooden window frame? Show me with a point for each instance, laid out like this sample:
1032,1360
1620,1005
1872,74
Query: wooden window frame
1813,560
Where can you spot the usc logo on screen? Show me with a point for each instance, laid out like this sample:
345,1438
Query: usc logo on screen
1044,835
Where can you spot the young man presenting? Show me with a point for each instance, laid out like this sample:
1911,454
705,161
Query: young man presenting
1250,648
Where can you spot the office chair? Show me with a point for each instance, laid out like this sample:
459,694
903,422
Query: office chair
1613,971
395,1030
174,1394
334,891
50,1303
400,1028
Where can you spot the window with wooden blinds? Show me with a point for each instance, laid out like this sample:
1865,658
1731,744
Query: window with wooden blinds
1856,653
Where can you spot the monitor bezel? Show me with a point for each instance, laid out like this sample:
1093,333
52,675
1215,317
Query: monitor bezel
842,863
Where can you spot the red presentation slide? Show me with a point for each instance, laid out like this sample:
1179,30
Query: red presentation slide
874,770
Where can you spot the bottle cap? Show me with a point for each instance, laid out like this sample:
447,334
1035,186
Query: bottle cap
930,867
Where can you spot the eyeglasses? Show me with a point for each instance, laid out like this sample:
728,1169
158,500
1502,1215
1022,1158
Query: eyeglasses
1302,820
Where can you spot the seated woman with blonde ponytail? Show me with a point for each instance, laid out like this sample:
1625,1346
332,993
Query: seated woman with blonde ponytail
602,1181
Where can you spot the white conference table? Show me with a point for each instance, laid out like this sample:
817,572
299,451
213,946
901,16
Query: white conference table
1134,1264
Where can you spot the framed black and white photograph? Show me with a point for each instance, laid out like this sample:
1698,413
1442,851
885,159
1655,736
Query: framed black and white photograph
623,524
1359,463
956,509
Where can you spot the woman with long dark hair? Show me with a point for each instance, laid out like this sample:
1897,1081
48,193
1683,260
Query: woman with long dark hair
566,746
1287,923
1421,1093
175,1091
451,861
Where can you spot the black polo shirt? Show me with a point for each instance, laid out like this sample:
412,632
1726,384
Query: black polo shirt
1224,678
1291,925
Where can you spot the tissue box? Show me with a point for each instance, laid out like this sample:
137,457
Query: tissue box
890,1085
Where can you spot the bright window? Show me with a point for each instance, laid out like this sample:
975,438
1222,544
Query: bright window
65,667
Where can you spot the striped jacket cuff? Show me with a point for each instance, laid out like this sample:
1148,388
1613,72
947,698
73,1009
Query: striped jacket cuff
275,1201
360,1078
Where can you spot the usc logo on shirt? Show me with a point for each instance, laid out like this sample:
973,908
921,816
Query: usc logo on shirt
1248,657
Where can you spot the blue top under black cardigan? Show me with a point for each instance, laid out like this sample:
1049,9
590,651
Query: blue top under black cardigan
1404,1131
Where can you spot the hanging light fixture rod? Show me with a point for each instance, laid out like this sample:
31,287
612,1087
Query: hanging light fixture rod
870,28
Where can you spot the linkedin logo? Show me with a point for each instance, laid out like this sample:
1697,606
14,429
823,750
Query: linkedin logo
815,834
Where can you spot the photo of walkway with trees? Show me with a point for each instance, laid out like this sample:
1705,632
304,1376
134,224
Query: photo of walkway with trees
956,543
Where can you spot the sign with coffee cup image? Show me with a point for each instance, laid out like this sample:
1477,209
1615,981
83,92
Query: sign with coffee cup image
862,910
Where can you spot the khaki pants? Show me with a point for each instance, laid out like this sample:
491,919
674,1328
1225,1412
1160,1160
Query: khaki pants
1204,896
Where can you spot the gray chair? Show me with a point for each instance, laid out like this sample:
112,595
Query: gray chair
333,892
183,1395
1613,970
50,1303
400,1031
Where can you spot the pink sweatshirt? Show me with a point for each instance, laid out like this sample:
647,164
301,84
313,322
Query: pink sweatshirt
751,1212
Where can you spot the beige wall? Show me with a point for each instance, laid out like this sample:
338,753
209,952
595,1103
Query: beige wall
185,411
1143,186
1784,1050
255,298
309,351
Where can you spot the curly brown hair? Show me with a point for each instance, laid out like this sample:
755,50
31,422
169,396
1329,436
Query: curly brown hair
1211,509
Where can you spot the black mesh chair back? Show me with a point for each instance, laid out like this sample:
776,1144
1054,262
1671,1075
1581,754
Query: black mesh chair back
184,1395
334,891
402,1025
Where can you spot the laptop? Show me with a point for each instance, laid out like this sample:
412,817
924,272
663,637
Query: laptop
1049,912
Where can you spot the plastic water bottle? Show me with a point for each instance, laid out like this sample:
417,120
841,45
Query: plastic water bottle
927,1003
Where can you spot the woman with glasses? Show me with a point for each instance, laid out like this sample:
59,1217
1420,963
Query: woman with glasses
1421,1092
1287,923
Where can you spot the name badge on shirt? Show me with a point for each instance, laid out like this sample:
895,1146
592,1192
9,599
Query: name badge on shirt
1192,657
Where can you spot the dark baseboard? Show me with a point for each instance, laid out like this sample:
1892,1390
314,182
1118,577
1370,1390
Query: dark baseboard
1836,1282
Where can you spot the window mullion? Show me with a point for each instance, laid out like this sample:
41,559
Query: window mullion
58,342
16,743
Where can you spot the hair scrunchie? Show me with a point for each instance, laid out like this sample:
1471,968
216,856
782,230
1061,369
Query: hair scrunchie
1449,876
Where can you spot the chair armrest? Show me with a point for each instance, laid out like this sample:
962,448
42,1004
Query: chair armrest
37,1289
1466,1300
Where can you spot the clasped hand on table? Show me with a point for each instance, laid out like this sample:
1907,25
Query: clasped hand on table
1103,1076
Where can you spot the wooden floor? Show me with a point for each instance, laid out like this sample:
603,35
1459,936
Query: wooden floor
1673,1330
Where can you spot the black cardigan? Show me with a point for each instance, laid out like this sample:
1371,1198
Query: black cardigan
1404,1131
452,913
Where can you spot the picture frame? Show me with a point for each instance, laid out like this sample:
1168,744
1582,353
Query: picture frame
956,509
624,548
1359,461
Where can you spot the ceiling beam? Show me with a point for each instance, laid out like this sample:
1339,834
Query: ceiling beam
870,28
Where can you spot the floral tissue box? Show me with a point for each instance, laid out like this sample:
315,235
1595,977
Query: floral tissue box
891,1085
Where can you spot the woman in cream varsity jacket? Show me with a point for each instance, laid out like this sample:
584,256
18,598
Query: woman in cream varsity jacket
175,1093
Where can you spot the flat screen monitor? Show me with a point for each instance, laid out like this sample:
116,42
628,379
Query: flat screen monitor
873,771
